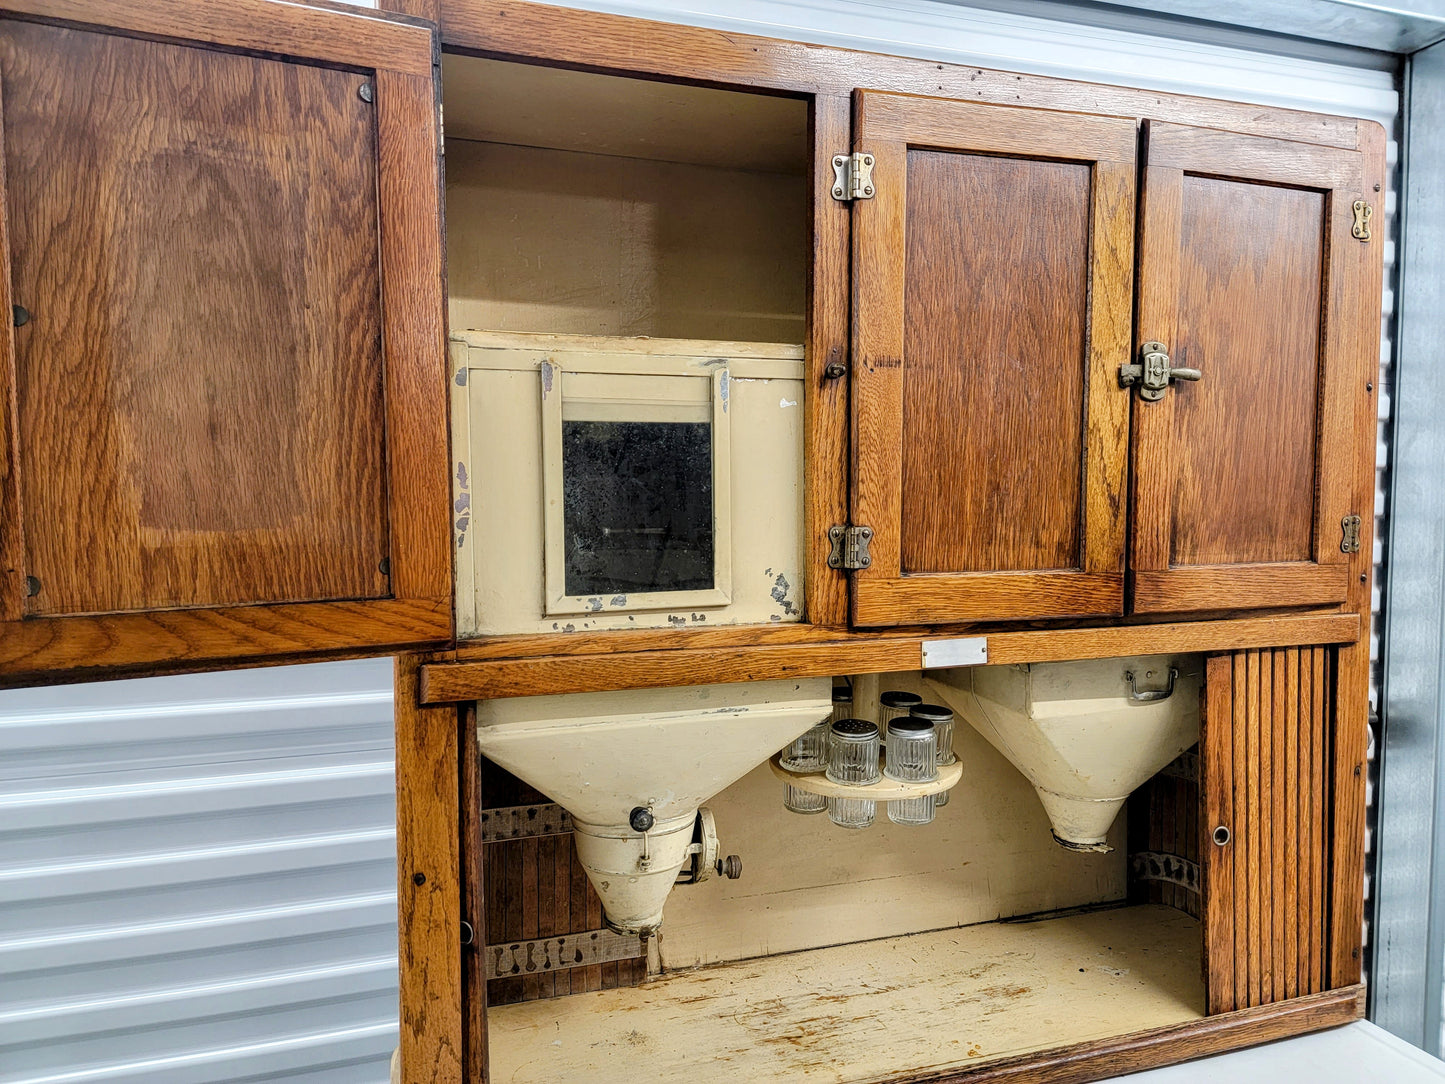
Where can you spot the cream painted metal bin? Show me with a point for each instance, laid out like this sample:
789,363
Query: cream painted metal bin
514,395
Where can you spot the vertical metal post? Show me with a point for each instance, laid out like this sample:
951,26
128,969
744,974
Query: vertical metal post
1408,933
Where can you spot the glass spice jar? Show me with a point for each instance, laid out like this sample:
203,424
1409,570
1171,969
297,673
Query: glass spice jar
942,719
853,747
912,758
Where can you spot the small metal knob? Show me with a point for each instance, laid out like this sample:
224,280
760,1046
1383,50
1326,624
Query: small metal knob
730,867
641,819
1221,836
833,370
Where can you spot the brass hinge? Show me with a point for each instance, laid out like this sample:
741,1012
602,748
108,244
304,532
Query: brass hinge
850,547
1350,534
1363,211
852,176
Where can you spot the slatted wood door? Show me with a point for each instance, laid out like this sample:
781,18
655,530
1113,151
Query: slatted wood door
992,279
1249,273
216,441
1265,756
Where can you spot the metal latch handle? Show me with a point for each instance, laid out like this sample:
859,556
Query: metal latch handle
1150,695
1153,372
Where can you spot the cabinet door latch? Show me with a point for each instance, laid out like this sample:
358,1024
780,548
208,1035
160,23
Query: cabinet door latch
850,547
852,176
1350,534
1153,372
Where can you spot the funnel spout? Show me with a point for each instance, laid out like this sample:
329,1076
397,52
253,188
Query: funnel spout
1081,732
602,756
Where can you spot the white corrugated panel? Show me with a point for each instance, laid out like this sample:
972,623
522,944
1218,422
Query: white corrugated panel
198,879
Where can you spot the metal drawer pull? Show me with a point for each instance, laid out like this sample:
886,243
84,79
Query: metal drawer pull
1153,372
1149,695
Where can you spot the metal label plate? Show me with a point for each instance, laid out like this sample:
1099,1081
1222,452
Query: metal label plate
966,651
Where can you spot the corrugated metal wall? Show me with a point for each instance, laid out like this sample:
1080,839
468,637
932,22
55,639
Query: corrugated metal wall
197,873
197,879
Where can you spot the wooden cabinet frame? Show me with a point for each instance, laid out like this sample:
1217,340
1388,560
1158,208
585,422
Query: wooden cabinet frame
443,1018
400,55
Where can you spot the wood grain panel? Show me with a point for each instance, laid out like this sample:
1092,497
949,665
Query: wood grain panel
1268,721
251,428
1163,1046
1164,819
339,34
471,860
88,648
605,42
990,309
419,491
429,891
997,251
231,454
1216,793
1239,587
1249,318
601,669
1243,476
825,404
536,888
1360,275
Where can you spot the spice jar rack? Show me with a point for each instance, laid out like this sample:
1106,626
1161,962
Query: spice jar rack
885,790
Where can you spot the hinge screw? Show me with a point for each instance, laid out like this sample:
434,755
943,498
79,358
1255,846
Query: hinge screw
367,93
32,586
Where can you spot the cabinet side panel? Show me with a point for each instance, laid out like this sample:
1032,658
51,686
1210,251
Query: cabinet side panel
200,380
994,342
1249,320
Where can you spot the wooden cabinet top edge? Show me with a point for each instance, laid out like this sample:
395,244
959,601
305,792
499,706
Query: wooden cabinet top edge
626,45
854,653
329,33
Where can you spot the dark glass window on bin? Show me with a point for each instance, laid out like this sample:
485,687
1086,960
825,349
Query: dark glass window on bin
637,506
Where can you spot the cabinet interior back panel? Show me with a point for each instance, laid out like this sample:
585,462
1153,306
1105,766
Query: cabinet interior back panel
571,242
994,354
1249,319
201,437
808,884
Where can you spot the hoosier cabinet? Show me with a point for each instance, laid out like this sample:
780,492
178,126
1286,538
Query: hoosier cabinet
878,550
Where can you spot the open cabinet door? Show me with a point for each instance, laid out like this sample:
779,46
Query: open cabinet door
992,296
223,433
1252,278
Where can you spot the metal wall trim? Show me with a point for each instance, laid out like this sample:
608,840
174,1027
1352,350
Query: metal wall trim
1409,896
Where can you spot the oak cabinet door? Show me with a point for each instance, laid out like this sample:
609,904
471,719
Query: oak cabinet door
992,299
224,426
1266,794
1249,275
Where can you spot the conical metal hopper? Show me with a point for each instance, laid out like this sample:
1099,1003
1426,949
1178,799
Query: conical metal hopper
605,756
1085,734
